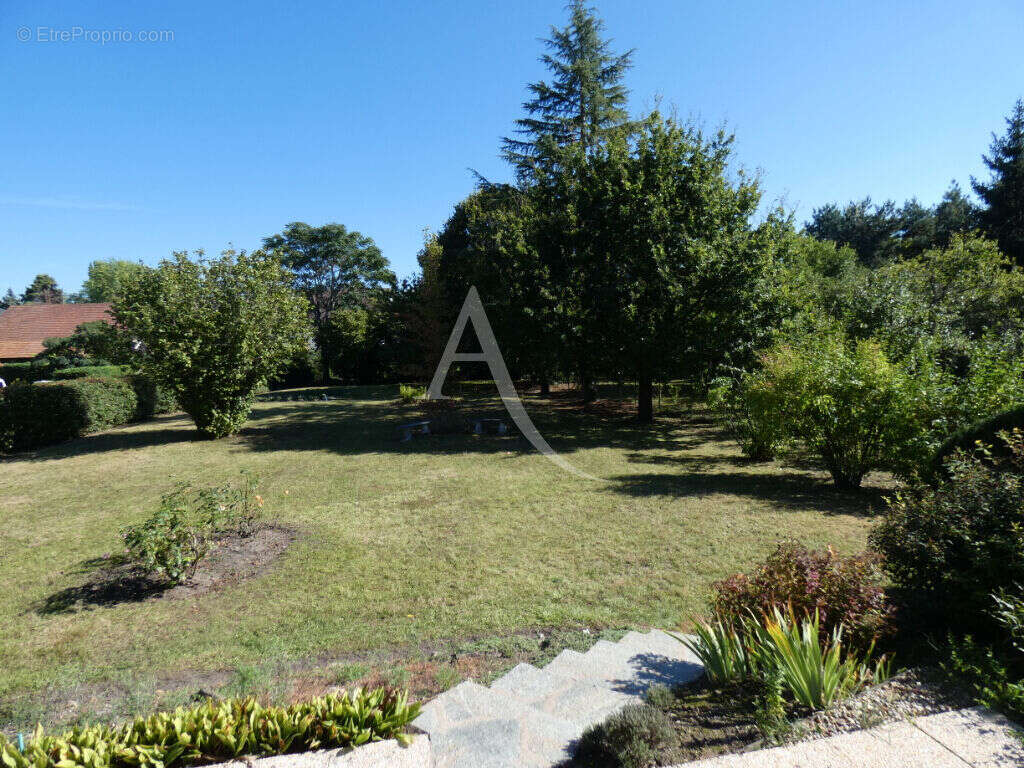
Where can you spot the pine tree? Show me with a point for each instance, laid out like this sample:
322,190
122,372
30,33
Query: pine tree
585,98
1003,218
43,289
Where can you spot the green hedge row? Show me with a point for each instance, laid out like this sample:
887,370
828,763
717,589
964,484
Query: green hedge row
33,370
33,415
91,371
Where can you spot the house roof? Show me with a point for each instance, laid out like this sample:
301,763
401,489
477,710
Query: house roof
23,328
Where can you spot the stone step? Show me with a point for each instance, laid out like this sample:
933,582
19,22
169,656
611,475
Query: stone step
471,726
579,701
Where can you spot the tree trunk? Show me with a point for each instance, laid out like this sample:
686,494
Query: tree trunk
645,398
587,385
545,387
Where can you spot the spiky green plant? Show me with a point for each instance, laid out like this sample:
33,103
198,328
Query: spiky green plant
814,668
721,650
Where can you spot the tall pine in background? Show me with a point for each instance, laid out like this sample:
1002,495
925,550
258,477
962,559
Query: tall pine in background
1003,217
584,99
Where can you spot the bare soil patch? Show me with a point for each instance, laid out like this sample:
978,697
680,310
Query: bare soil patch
233,558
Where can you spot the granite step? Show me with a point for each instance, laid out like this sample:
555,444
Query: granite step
579,701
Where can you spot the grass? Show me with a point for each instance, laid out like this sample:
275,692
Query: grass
399,544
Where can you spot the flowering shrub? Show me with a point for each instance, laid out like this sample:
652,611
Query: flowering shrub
842,590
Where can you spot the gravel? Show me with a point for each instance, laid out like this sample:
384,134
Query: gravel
910,693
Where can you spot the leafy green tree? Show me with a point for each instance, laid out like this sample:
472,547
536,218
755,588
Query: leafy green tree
585,98
658,252
97,341
106,279
334,269
1003,217
43,289
214,330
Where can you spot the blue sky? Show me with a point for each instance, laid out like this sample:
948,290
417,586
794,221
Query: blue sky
370,113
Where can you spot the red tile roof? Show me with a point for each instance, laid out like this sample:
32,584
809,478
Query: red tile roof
22,329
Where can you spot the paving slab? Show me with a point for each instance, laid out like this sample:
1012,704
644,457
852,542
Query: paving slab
983,738
380,754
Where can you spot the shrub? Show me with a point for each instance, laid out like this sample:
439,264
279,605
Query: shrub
845,401
213,331
91,372
409,393
637,737
33,370
220,731
951,545
153,398
45,413
841,590
754,424
985,431
173,540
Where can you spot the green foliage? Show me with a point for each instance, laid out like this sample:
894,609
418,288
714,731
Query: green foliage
44,289
722,650
953,544
1003,216
33,370
985,431
986,671
335,269
173,540
770,714
660,696
91,372
214,331
813,666
153,398
219,731
846,402
840,590
585,99
753,423
107,279
96,340
35,415
409,393
632,738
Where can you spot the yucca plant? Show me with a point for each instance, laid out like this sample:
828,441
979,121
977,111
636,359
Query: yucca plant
814,668
721,650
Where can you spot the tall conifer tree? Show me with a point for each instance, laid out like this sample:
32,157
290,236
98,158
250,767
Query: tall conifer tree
1002,218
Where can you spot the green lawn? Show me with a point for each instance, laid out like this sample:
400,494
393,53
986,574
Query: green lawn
400,543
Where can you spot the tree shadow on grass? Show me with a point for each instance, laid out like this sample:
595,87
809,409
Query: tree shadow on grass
789,490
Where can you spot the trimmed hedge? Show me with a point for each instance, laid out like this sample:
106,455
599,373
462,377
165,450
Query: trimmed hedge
986,431
91,371
33,370
33,415
42,414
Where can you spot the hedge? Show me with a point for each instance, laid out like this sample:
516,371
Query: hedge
33,370
40,414
986,431
90,372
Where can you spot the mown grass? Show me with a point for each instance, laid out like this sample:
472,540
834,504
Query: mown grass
399,543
